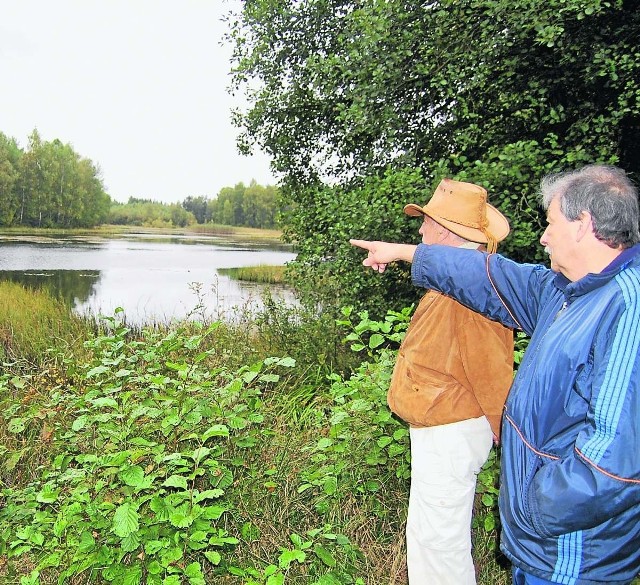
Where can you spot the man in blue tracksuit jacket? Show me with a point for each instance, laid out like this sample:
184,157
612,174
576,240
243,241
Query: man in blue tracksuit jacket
570,474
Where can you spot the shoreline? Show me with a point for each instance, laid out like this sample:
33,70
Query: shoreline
114,231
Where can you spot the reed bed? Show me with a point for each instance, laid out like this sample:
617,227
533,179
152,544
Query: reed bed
261,274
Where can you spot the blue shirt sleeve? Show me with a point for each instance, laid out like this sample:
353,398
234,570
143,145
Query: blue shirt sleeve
493,285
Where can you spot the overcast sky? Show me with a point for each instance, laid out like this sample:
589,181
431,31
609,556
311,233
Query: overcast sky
137,86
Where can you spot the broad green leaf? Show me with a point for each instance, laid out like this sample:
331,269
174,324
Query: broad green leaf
489,523
50,560
130,543
215,431
384,441
16,425
48,494
125,520
330,485
32,579
324,555
213,512
97,371
213,557
269,378
132,475
105,402
275,579
79,423
151,547
170,556
12,460
208,495
181,518
289,556
161,507
200,453
132,576
324,442
177,481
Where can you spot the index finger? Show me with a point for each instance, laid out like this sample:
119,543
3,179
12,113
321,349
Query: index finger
365,244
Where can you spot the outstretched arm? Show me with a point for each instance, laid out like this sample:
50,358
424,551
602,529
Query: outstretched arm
381,253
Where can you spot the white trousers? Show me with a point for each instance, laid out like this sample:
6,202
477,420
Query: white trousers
445,462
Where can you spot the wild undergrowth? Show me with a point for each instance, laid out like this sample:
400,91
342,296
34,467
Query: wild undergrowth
202,454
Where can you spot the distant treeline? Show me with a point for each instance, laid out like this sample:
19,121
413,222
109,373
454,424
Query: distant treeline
49,185
149,213
252,206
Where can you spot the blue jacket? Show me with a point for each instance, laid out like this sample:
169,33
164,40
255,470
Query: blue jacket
570,472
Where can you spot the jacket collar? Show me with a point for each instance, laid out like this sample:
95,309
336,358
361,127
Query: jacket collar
592,281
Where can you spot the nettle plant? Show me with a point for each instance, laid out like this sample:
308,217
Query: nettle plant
361,424
148,456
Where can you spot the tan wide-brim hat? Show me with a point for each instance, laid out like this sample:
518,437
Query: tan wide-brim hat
463,209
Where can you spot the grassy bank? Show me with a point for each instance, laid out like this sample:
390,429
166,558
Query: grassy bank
35,328
234,232
237,232
261,274
206,453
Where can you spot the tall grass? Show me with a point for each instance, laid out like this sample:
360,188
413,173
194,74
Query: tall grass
262,274
35,327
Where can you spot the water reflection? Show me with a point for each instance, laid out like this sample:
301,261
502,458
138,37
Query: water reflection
72,286
154,278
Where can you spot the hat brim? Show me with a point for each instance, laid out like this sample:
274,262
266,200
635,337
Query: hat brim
498,224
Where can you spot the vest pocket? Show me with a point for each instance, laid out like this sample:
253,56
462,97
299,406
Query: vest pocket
414,391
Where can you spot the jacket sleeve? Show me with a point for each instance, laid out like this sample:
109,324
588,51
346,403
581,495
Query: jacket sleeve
493,285
601,478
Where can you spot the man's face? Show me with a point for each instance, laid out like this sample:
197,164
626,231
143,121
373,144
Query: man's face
430,232
559,240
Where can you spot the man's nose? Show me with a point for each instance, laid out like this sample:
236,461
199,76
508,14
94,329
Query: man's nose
543,238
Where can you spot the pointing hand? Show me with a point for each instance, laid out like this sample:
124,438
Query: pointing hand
381,253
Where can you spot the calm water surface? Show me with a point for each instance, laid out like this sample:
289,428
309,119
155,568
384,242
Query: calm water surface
153,278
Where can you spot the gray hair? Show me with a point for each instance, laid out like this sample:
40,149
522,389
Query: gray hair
606,193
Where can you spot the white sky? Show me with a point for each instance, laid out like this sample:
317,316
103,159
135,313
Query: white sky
137,86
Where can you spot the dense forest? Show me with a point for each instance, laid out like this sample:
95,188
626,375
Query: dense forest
49,185
364,106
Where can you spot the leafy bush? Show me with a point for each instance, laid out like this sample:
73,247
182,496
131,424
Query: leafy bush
159,457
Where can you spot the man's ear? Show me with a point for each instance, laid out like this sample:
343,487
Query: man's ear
585,225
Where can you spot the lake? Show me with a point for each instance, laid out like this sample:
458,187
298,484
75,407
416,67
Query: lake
154,278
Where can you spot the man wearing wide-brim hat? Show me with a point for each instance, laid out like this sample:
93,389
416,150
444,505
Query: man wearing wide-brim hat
450,381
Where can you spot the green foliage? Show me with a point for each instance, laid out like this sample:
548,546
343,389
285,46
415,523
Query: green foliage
49,185
162,465
343,94
372,336
148,213
327,273
253,206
